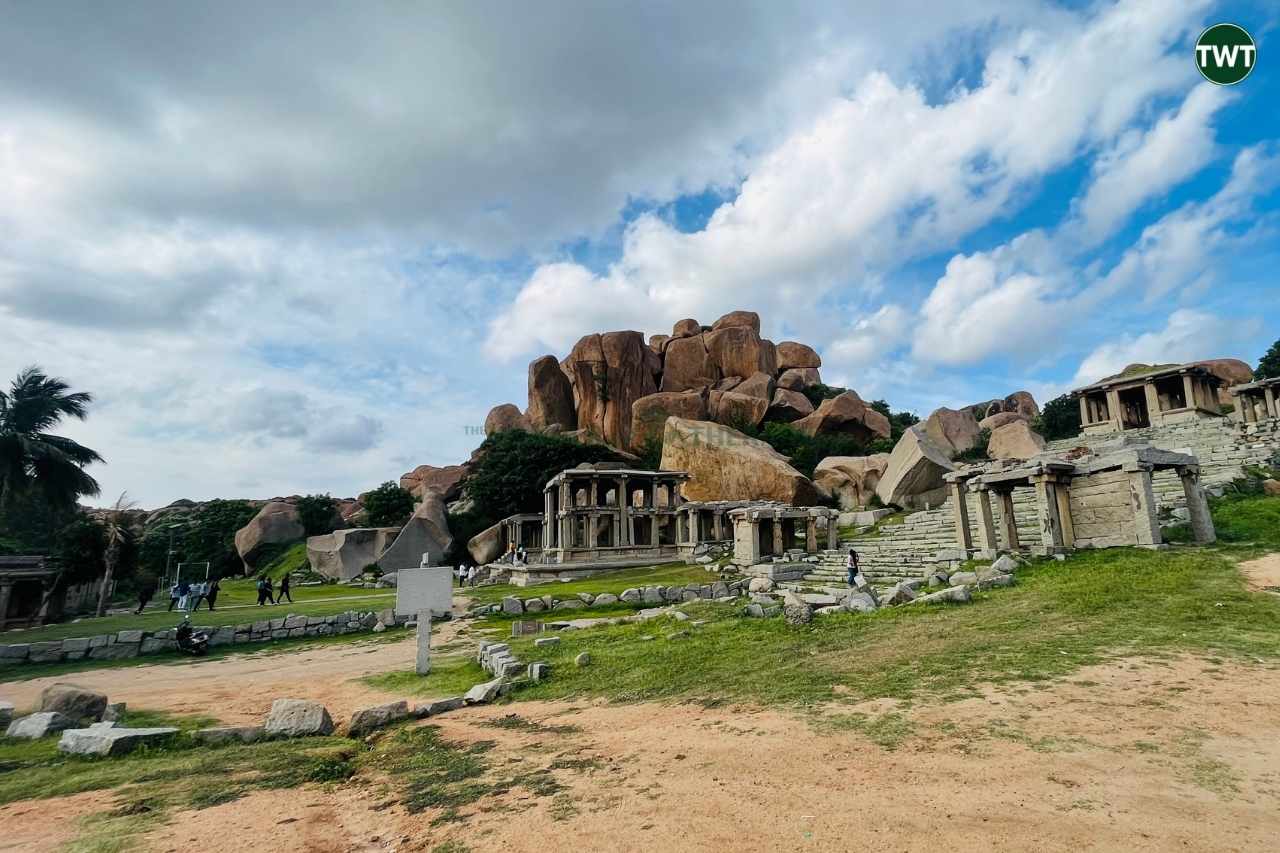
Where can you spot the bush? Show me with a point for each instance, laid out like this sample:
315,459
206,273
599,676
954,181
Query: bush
1269,364
818,392
388,505
514,465
806,451
206,534
317,513
1060,418
977,453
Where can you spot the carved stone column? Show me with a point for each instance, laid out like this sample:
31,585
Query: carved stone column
1197,506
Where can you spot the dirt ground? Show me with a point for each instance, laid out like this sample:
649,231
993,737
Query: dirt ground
1262,574
1131,755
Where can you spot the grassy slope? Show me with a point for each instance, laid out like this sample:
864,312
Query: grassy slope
236,594
668,574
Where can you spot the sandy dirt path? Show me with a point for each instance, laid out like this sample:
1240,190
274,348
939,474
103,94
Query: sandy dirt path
1131,755
1262,574
239,690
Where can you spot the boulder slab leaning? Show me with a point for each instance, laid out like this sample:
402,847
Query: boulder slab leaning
1015,440
954,430
426,532
724,464
277,523
916,467
344,554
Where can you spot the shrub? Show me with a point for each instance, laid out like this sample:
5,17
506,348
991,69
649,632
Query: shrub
818,392
317,513
1060,418
977,453
1269,364
389,505
206,534
514,465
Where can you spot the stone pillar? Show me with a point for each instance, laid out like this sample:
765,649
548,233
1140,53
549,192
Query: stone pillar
6,592
1197,506
1047,513
423,666
1008,522
777,536
1189,390
811,535
547,519
986,524
1085,418
1142,500
1269,399
1153,403
833,534
1062,492
1113,409
624,512
592,530
717,521
960,508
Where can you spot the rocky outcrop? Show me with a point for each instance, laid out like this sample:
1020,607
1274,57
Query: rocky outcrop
735,409
1014,440
994,422
446,481
954,431
724,464
426,532
550,396
649,414
609,373
738,350
845,413
1232,371
72,701
851,480
687,365
277,523
915,470
1020,402
344,554
788,405
686,328
799,378
738,319
758,384
797,355
503,418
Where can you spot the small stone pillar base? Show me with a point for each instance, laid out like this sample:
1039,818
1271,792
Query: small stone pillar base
423,666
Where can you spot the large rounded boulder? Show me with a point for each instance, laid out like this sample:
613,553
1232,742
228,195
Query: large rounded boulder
955,431
915,471
724,464
609,372
550,396
649,414
797,355
1014,440
686,365
277,523
504,417
851,480
845,414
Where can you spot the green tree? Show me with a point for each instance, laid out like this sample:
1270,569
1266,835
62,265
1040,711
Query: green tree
1269,364
388,505
318,514
1060,418
514,465
115,535
31,458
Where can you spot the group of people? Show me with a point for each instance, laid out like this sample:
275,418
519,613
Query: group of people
466,575
516,556
267,593
187,596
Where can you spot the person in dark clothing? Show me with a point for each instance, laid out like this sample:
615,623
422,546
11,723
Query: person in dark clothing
173,597
145,591
212,595
852,573
264,591
284,590
271,592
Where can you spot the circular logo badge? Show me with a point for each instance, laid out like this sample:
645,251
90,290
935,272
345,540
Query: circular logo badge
1225,54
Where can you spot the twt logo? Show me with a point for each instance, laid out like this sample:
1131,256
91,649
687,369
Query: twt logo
1225,54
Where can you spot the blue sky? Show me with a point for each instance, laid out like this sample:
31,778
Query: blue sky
306,253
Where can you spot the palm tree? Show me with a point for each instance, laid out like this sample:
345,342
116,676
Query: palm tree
115,533
31,459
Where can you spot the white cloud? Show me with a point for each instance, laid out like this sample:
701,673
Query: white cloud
1142,165
877,179
1189,335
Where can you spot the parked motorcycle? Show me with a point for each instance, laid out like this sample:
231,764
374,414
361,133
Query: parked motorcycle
191,642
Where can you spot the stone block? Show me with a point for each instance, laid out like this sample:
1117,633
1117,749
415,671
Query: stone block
110,741
15,651
547,641
34,726
483,693
605,600
49,652
369,719
131,636
438,706
298,718
538,671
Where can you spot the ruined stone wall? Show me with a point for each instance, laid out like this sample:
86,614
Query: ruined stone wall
1101,513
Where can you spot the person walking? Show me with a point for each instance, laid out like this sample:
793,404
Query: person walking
184,594
262,590
145,591
271,591
212,594
853,573
173,597
197,594
284,590
471,576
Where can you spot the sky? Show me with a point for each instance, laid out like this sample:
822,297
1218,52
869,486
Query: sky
305,247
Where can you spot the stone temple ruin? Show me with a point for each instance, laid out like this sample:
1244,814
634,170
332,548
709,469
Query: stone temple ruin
1157,398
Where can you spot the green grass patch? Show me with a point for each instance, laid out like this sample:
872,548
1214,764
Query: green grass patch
1059,616
292,559
450,676
236,606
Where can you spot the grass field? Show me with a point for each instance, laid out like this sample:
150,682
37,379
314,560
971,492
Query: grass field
236,605
667,574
